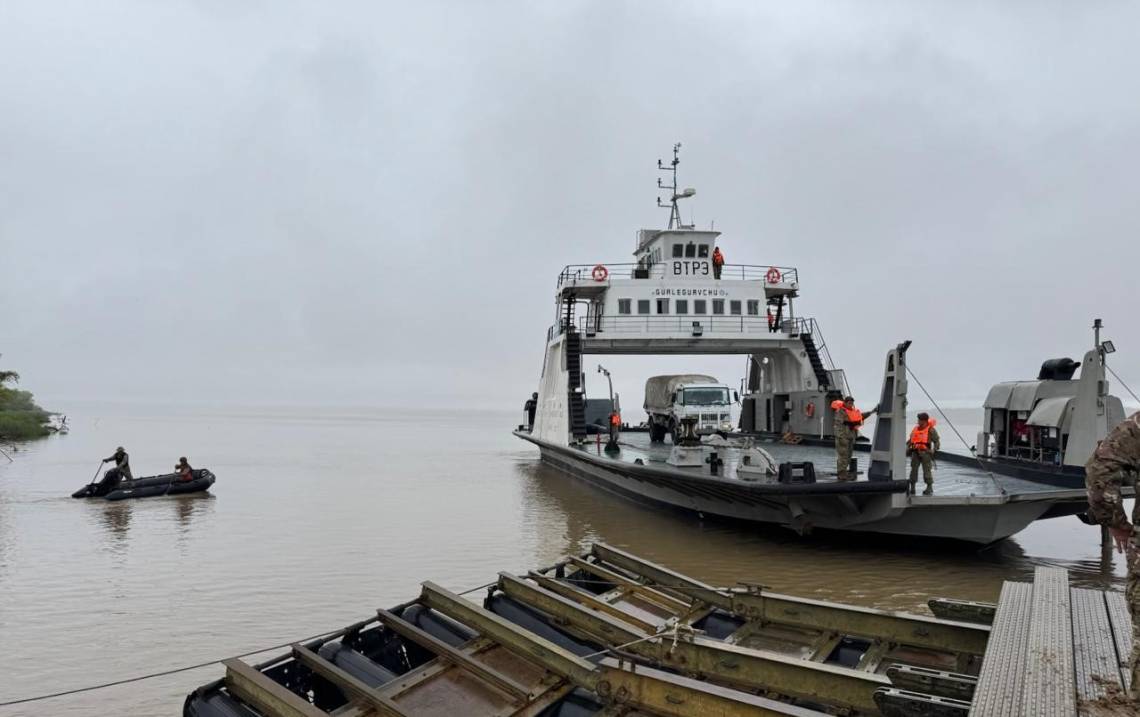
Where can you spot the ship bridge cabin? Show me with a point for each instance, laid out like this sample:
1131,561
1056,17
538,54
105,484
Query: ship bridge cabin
674,292
673,299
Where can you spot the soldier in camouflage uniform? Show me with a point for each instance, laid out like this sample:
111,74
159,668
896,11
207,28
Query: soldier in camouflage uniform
848,420
1117,454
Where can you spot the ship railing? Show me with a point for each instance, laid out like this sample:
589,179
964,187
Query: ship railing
688,324
586,273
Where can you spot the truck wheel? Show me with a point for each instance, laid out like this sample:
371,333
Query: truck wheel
656,433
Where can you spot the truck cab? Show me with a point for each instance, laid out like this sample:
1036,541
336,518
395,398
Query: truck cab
669,399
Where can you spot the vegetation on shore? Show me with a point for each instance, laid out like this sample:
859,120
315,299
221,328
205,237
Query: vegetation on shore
20,418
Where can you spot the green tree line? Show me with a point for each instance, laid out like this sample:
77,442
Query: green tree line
20,418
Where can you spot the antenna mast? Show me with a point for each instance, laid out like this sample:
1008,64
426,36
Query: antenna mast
674,211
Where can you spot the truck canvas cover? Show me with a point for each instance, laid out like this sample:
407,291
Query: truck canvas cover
659,389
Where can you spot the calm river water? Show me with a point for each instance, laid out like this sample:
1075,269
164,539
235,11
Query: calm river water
320,516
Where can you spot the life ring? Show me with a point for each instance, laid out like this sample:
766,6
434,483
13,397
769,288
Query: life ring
809,410
600,273
773,276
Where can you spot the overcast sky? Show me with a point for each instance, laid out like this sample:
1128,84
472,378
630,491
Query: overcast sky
370,203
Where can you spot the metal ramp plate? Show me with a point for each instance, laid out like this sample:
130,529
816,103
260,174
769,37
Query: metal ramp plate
1094,653
1000,684
1050,687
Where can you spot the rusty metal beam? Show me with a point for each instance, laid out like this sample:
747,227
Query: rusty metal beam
572,593
670,695
675,581
554,658
346,682
901,628
623,581
442,649
267,696
715,660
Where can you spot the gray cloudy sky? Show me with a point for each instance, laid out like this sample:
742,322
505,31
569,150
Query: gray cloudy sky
370,202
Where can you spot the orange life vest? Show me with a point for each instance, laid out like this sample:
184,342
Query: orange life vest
920,437
615,419
854,415
718,258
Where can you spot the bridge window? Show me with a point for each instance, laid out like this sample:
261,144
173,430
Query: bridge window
700,306
682,306
734,307
678,251
703,251
718,306
753,307
643,306
690,250
662,306
624,306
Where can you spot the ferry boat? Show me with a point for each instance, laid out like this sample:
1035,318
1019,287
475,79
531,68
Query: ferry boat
673,299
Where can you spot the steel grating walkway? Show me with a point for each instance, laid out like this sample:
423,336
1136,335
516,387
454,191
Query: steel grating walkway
1053,649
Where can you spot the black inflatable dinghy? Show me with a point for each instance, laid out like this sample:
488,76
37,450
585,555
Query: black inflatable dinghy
113,487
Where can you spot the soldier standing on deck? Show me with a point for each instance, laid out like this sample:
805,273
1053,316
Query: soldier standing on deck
848,420
922,445
1104,473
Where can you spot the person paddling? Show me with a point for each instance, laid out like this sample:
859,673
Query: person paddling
122,463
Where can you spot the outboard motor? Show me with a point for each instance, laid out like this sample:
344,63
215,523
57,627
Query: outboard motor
1058,369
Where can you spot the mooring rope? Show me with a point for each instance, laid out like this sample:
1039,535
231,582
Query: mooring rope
1134,396
973,451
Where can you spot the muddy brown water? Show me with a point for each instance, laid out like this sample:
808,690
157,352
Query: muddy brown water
319,516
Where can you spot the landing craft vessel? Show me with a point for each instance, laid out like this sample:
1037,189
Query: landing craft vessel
611,634
673,300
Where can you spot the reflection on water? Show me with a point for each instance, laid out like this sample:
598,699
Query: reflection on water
320,517
881,571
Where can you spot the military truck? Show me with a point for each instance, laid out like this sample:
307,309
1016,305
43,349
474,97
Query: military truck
670,398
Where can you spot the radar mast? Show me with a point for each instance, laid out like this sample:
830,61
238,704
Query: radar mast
674,211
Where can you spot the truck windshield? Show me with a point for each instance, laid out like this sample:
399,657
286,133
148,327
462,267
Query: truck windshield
706,396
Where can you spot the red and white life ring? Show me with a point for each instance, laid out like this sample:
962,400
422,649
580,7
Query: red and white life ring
773,276
809,410
600,273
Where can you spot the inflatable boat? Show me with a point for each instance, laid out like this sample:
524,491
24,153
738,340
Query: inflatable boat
113,487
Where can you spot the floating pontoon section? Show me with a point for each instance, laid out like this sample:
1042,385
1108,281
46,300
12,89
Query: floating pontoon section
609,633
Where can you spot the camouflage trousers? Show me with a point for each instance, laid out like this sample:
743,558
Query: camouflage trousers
1132,595
844,448
926,460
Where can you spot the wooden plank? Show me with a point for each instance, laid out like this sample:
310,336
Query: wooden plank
1094,652
1121,622
1050,683
265,695
1003,669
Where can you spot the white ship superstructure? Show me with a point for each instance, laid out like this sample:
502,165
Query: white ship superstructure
673,299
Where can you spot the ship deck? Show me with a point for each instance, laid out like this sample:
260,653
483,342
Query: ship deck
951,480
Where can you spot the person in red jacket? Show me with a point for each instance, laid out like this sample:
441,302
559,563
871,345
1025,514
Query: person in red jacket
718,262
922,445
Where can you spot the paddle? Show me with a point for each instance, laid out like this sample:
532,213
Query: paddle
96,473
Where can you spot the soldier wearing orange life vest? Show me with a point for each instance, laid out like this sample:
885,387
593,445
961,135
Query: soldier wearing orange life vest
922,445
718,262
848,421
